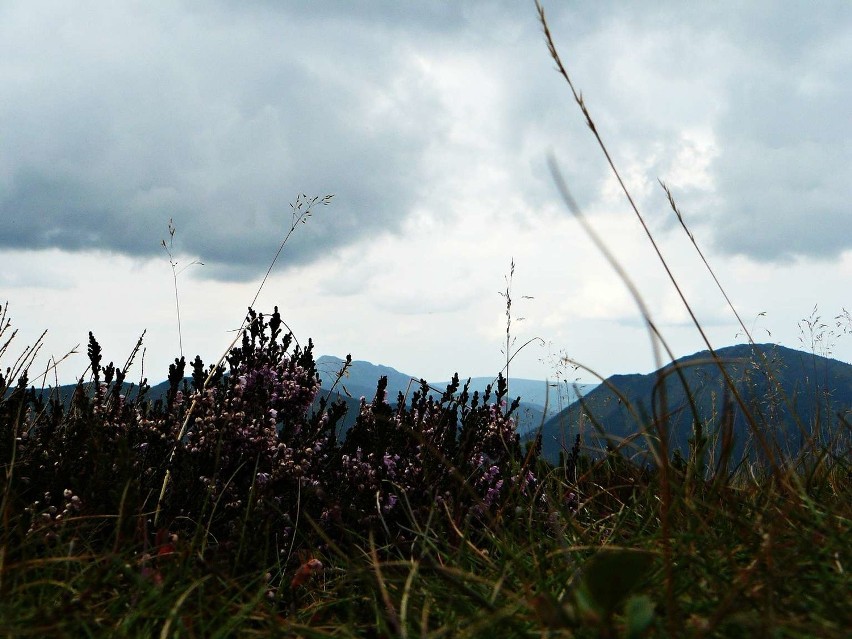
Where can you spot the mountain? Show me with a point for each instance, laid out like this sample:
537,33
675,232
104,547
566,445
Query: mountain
539,399
788,392
361,378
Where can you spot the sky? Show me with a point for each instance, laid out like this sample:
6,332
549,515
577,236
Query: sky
431,124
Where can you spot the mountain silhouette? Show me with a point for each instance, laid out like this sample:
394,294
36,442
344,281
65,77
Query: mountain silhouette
787,396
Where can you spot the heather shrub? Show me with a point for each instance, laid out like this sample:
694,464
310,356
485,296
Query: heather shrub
248,458
459,452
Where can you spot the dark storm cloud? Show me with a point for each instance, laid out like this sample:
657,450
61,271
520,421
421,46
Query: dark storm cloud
114,122
117,117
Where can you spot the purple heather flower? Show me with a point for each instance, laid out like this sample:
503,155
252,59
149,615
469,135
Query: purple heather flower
390,502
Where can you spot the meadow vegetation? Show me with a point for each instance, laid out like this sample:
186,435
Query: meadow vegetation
235,506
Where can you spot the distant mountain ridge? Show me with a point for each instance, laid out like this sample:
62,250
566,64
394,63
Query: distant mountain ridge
540,399
790,392
817,389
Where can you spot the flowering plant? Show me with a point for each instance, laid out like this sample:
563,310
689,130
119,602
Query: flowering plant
254,449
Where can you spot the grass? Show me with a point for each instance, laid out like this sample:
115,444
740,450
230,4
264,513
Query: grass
232,509
749,557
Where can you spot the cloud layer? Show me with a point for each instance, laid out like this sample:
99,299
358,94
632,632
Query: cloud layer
117,117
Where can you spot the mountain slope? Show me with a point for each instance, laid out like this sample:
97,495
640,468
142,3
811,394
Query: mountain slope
788,393
539,399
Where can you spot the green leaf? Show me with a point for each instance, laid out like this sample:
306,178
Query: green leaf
611,575
638,614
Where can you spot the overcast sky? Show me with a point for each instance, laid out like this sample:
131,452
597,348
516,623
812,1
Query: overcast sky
431,124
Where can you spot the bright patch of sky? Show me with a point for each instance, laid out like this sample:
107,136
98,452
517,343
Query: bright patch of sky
431,125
